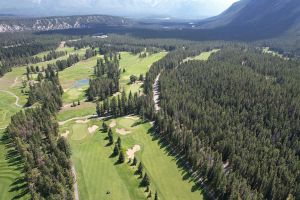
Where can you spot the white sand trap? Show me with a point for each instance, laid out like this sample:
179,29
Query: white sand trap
113,124
82,121
93,129
130,152
132,117
122,131
65,135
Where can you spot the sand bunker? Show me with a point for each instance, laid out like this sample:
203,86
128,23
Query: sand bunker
122,131
82,121
93,129
65,135
130,152
113,124
132,117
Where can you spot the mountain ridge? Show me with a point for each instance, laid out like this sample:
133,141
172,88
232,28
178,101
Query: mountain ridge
19,24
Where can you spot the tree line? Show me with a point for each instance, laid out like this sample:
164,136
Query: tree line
54,55
35,135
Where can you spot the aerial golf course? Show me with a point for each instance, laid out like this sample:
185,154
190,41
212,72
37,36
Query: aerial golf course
98,174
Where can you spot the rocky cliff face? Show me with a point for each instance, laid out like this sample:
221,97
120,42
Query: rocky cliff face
14,24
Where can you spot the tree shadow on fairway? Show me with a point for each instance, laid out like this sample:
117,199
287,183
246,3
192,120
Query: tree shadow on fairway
139,122
177,154
19,186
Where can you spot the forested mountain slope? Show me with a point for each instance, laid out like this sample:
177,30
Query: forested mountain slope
256,19
17,24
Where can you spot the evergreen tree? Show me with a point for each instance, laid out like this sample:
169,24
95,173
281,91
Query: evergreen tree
110,137
98,110
64,146
104,127
145,181
119,143
140,169
134,161
133,79
121,157
116,150
156,196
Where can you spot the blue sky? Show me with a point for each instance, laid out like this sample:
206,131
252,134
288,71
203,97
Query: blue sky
174,8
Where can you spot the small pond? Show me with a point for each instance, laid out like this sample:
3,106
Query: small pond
81,83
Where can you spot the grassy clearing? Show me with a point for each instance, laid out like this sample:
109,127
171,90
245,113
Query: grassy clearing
11,184
205,55
98,173
135,66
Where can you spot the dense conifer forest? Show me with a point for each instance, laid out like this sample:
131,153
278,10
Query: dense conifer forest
236,119
107,75
34,132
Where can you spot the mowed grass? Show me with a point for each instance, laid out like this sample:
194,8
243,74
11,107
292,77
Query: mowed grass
10,173
205,55
135,66
12,81
7,108
85,108
81,70
97,171
84,70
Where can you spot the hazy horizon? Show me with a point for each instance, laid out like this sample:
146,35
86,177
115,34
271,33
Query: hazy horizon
130,8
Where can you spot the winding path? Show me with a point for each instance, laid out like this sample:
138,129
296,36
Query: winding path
12,94
75,183
77,118
156,93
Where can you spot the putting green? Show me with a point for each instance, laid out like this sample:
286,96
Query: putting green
79,131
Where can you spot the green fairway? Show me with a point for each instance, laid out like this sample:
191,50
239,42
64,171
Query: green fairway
205,55
7,108
135,66
82,70
85,108
97,173
11,184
